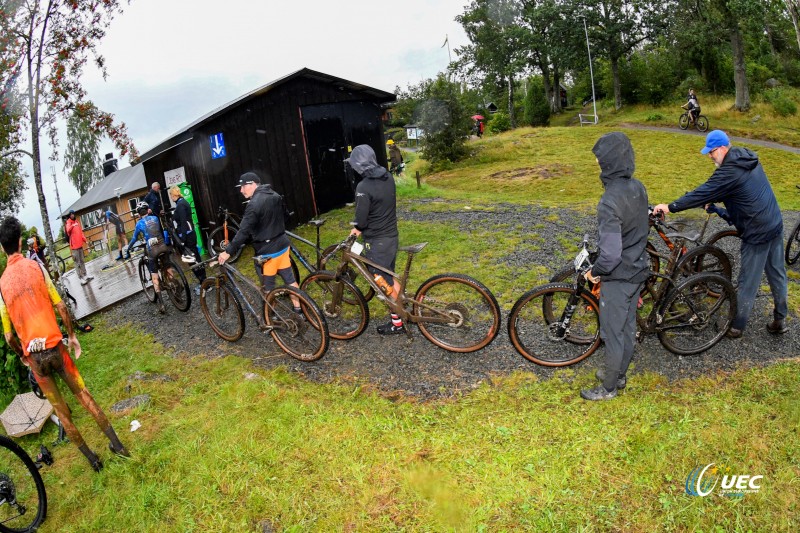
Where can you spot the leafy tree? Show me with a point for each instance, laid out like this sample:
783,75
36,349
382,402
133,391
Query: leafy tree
618,27
46,44
445,122
498,43
82,157
793,8
537,108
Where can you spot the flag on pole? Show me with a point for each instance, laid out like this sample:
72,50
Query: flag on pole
445,42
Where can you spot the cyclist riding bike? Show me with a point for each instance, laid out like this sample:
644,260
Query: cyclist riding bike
150,228
692,106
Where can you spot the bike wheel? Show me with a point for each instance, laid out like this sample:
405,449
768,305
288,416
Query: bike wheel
729,242
174,282
218,243
705,258
332,263
343,305
23,499
546,341
701,123
696,314
222,309
304,337
471,309
793,245
683,122
147,282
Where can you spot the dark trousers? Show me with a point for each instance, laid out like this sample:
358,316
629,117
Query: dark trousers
190,247
618,300
757,259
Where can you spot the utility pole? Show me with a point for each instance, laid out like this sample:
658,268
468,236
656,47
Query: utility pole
55,183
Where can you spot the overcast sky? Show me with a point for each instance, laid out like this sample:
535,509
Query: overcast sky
172,61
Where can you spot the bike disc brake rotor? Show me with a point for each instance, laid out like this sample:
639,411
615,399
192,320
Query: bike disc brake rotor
8,493
553,332
459,312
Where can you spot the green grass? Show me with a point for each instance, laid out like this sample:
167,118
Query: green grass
218,452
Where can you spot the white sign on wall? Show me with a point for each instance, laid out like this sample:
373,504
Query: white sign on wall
174,177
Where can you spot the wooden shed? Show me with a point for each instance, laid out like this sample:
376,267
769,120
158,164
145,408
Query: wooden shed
295,132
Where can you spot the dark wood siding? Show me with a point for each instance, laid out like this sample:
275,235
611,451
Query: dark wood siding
265,134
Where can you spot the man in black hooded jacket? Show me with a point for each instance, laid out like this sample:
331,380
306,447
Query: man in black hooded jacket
742,185
376,220
622,263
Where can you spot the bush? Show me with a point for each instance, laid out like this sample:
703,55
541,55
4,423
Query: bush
498,123
444,121
537,108
13,374
784,106
655,117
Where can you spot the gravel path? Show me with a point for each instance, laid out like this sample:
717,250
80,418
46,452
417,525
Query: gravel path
398,366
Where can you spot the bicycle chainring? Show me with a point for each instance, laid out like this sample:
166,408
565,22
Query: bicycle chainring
459,312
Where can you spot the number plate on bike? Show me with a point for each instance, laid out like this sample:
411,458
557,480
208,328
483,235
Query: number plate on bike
580,258
357,248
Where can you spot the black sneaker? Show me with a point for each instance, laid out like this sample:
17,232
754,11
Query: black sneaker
123,452
390,329
598,393
161,309
777,327
621,381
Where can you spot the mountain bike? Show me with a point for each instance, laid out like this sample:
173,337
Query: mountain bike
303,336
23,499
558,324
708,257
453,311
327,259
792,253
222,236
701,122
171,280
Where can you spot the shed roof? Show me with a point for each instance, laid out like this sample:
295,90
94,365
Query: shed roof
127,180
185,133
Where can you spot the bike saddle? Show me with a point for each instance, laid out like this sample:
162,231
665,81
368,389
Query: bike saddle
414,248
316,223
693,236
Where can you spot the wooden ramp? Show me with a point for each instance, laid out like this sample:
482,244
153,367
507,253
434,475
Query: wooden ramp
113,281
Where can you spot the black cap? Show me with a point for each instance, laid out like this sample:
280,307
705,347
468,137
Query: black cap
71,212
248,177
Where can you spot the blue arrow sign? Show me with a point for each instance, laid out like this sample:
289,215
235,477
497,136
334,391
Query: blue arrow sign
217,146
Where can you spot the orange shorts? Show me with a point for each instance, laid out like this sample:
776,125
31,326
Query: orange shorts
274,264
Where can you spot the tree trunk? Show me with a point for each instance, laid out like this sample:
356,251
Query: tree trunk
511,118
617,87
742,102
792,6
556,90
546,79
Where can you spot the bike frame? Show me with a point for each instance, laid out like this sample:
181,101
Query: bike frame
397,305
299,255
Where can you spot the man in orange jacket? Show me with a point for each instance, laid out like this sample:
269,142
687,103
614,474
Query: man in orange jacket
76,241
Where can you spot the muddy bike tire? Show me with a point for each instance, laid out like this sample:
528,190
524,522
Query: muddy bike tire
792,253
705,258
683,121
696,314
332,262
173,281
222,309
701,123
730,242
471,306
341,302
145,279
21,488
217,242
536,337
305,337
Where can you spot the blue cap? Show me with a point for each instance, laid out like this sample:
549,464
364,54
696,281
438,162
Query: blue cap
715,139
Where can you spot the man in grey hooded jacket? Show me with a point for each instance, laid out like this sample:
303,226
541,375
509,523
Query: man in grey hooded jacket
622,263
376,219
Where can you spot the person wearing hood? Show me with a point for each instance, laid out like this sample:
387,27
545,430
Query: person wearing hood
622,263
741,184
376,220
263,226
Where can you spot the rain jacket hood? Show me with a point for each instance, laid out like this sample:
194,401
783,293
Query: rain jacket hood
615,155
364,162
